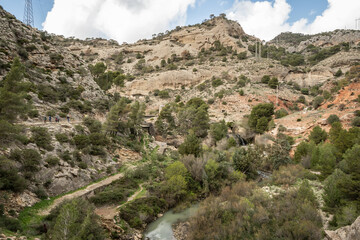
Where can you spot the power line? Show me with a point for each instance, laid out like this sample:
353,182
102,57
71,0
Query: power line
28,13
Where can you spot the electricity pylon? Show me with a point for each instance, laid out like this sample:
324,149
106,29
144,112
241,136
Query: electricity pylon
28,13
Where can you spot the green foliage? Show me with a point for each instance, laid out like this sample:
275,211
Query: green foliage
41,137
291,215
355,122
332,119
116,192
9,176
142,210
332,193
52,161
194,115
165,123
327,159
47,93
260,116
265,79
281,113
74,220
218,131
163,94
318,101
273,83
318,135
303,153
351,187
301,99
323,54
81,141
12,96
215,82
98,69
191,145
338,73
62,137
246,161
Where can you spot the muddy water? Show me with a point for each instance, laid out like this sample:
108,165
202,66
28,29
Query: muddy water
161,229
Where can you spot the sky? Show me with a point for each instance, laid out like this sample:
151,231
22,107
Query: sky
131,20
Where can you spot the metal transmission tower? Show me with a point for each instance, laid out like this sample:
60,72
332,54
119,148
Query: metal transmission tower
357,24
28,13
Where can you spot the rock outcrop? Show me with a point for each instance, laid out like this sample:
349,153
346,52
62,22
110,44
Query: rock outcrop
351,232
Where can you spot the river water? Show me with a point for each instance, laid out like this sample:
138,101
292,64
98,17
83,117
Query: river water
161,229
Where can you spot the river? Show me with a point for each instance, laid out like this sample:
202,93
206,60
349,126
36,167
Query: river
161,229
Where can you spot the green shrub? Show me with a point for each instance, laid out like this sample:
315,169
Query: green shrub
30,160
41,137
305,91
62,137
301,99
281,113
332,118
260,117
318,135
338,73
273,83
55,58
318,101
81,141
265,79
164,94
215,82
33,113
82,165
9,176
356,122
52,161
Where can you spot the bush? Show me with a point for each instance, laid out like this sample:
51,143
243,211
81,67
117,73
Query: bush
318,135
356,122
62,137
260,117
318,101
215,82
273,83
42,138
52,161
281,113
30,160
265,79
164,94
338,73
81,141
332,118
9,177
305,91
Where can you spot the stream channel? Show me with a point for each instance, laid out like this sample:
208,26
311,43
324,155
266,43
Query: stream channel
161,229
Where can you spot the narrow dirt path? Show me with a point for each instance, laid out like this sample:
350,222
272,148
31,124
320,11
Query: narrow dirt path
81,192
110,211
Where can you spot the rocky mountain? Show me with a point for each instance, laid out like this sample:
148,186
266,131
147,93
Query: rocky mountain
129,103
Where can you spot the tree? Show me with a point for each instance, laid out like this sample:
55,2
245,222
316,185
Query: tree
98,69
318,135
246,161
332,119
116,117
11,93
273,83
76,220
332,193
263,111
191,145
318,101
327,159
265,79
218,131
351,187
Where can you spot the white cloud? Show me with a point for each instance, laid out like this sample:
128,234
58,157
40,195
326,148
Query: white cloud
267,19
122,20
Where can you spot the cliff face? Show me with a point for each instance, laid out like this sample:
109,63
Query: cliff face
351,232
